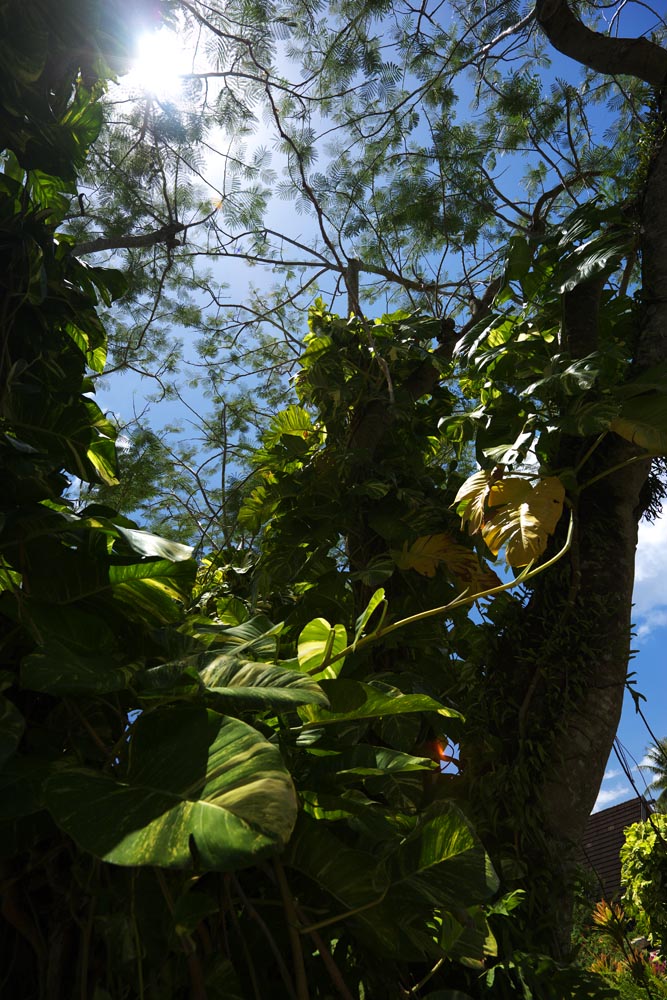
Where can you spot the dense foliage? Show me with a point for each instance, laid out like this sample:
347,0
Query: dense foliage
644,877
205,764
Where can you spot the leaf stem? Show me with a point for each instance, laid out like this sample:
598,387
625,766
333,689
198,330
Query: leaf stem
342,916
464,598
590,451
615,468
292,927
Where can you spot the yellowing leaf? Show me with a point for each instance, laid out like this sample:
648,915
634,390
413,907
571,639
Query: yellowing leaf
512,490
547,502
470,500
427,552
517,529
524,527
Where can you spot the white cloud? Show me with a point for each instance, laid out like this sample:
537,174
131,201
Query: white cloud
610,796
611,774
650,593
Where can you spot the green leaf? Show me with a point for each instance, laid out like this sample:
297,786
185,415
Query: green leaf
355,700
366,614
353,877
235,685
603,252
443,861
365,760
12,725
519,258
318,643
257,635
201,790
643,421
147,544
57,669
152,589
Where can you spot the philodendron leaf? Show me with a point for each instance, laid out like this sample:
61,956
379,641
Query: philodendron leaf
511,512
429,551
318,643
526,517
152,589
471,498
367,613
201,790
12,725
239,685
643,421
443,861
230,684
354,700
57,669
147,544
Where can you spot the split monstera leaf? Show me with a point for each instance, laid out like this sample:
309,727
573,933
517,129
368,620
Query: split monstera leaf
511,513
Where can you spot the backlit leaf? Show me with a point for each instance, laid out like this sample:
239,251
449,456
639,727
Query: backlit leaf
471,498
201,789
426,553
318,643
523,527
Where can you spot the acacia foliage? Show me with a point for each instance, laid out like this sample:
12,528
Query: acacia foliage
405,145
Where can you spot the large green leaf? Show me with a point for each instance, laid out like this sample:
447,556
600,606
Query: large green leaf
201,790
147,544
257,635
602,253
643,421
350,699
236,685
151,589
57,669
353,877
365,760
443,861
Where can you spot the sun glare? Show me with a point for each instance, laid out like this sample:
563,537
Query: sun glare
160,63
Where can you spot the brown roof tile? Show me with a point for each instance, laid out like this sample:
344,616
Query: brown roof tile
604,838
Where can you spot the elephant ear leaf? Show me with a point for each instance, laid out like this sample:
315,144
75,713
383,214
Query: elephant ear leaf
201,790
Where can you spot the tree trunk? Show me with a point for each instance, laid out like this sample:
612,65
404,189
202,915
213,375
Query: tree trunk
557,673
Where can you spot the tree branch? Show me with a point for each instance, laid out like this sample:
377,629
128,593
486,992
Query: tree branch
165,234
636,57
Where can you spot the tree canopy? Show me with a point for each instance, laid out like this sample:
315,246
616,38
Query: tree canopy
210,757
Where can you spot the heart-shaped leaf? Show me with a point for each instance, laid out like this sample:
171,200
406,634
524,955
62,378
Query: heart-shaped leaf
201,789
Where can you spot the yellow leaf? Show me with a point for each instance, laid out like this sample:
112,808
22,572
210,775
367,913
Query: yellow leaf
519,531
510,490
524,527
547,502
470,500
427,552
